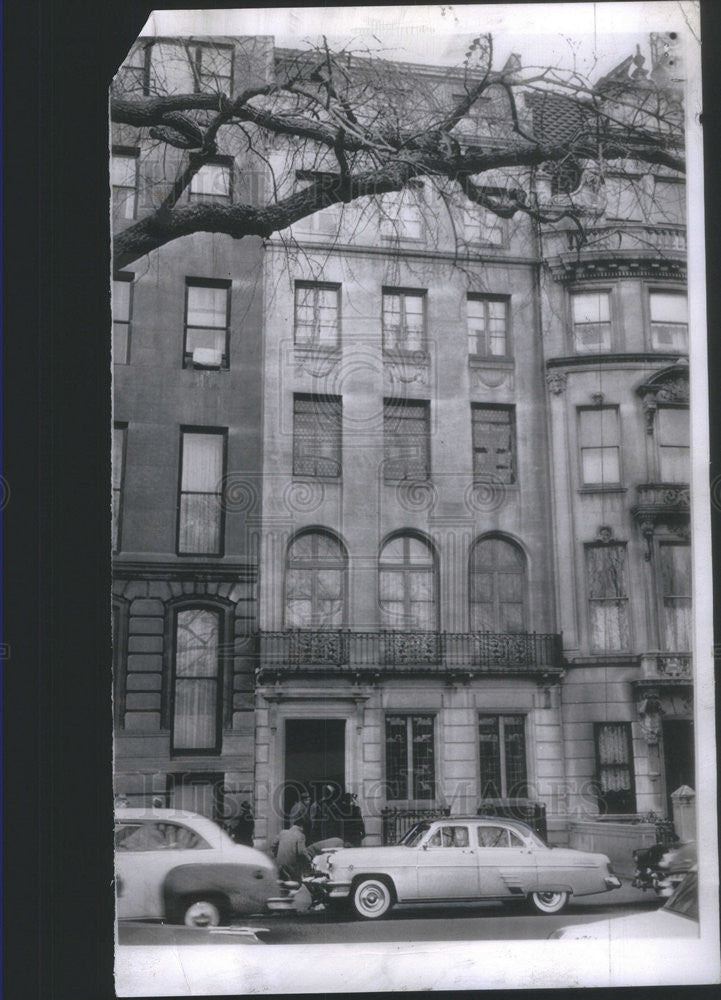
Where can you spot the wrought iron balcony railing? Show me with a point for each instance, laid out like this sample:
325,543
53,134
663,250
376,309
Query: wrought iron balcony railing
343,650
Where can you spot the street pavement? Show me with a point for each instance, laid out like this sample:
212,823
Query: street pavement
455,922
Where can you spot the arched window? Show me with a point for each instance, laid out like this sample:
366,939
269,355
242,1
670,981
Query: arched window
315,582
196,689
497,587
407,584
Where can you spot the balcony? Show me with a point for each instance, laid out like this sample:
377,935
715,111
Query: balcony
665,668
622,249
663,498
370,655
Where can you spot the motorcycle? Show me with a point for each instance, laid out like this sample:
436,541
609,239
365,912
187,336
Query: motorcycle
662,866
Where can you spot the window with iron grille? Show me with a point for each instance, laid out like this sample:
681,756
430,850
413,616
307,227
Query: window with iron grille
122,302
607,597
404,323
200,511
600,443
669,321
494,443
196,683
614,760
487,326
407,584
124,182
406,439
317,436
502,743
120,431
497,587
316,314
591,313
212,183
675,566
315,582
673,441
410,757
207,323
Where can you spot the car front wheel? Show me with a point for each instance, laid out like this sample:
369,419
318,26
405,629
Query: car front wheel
548,902
372,898
202,912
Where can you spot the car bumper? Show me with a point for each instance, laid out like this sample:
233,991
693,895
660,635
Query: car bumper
612,882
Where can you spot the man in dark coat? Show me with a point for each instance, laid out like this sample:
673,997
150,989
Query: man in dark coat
300,814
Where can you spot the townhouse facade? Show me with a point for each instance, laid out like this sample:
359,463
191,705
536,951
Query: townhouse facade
403,494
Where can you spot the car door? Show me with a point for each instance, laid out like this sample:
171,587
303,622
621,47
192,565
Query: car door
447,865
145,851
507,865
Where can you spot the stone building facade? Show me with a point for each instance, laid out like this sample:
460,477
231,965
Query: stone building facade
454,500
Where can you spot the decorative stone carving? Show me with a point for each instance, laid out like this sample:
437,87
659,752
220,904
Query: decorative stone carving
650,715
605,534
556,382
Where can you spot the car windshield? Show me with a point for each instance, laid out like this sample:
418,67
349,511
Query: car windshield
414,835
685,899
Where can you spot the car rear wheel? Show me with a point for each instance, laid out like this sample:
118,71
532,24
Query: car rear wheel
202,911
372,898
548,902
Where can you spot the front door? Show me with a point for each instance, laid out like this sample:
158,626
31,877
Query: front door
678,754
314,757
447,865
507,865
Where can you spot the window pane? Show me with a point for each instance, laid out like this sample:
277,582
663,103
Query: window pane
121,343
207,307
200,523
123,170
608,611
673,426
196,674
668,308
675,561
489,744
615,762
397,756
211,182
515,754
423,757
202,461
591,307
599,427
600,465
121,300
316,437
406,441
493,443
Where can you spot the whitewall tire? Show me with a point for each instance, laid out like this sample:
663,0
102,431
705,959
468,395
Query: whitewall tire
372,898
548,902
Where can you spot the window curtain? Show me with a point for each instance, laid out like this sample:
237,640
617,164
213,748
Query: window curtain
195,704
200,493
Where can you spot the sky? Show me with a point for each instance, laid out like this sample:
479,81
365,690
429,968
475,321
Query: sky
596,35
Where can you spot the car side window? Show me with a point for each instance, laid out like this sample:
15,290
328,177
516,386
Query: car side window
156,837
492,836
450,836
515,840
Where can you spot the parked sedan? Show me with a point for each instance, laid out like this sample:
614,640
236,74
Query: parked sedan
463,859
181,867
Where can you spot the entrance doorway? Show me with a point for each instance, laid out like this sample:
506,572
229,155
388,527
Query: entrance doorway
678,753
314,756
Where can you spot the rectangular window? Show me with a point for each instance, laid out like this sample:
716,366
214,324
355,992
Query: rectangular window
607,597
406,439
600,444
410,757
483,227
404,325
672,435
487,326
200,513
669,202
591,321
132,76
124,182
494,443
675,564
316,314
669,321
212,183
614,756
122,303
317,436
213,68
196,681
502,743
624,198
207,324
120,432
402,214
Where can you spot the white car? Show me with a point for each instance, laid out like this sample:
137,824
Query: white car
181,867
458,859
677,918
